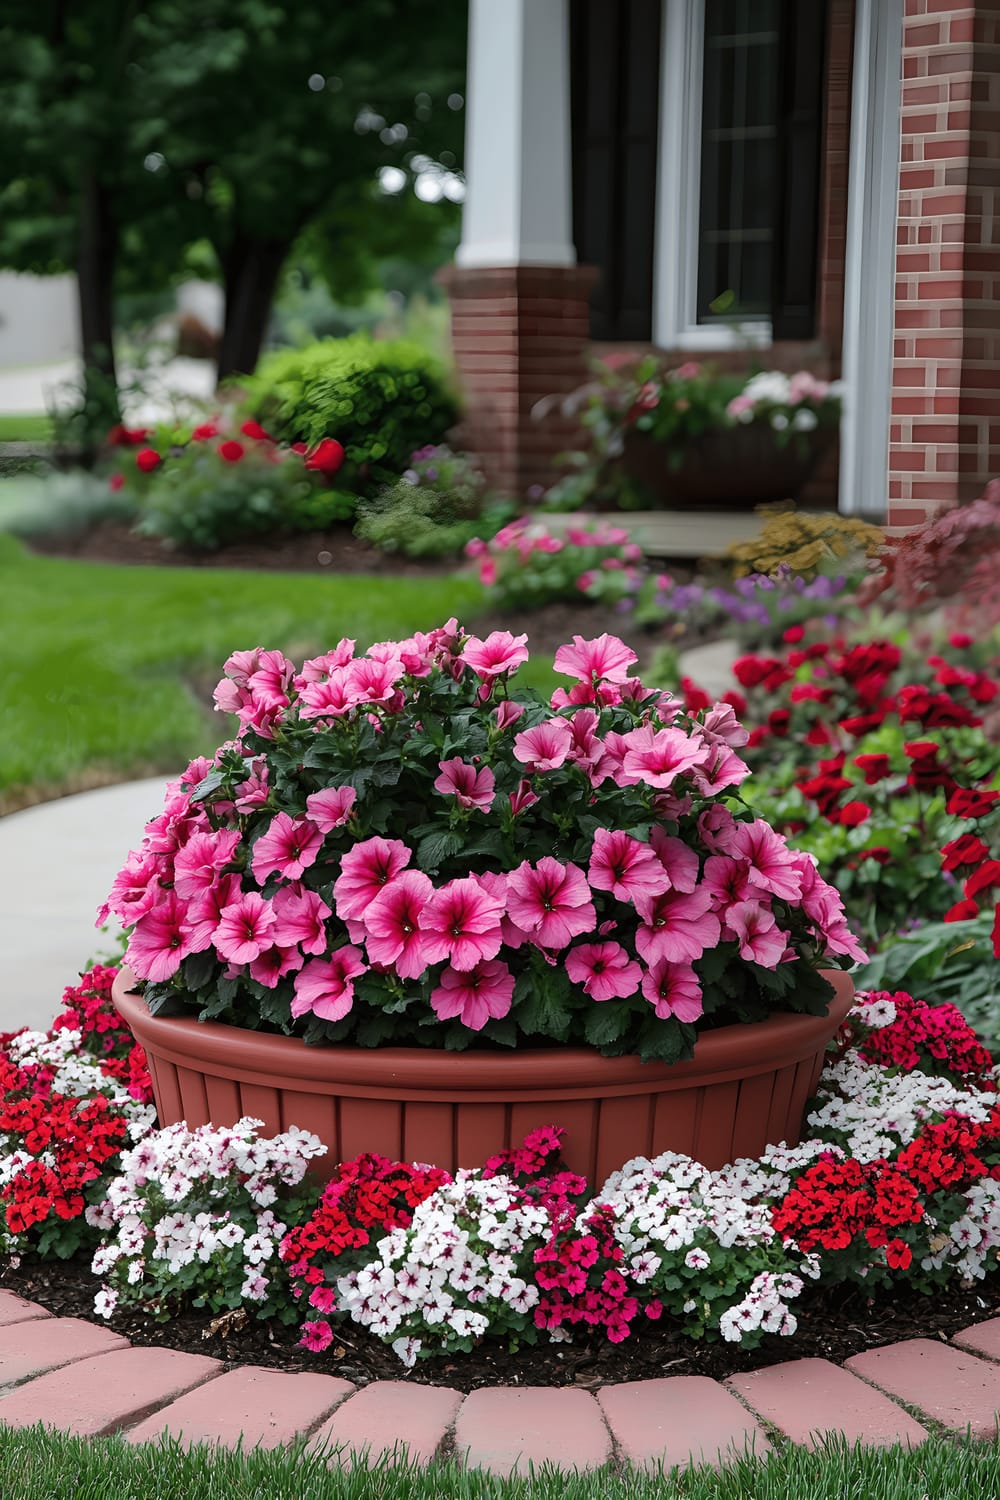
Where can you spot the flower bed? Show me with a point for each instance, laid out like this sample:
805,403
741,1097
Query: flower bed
898,1186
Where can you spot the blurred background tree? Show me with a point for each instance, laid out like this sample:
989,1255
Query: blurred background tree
138,140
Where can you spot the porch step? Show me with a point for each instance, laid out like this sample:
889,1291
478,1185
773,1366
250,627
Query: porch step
670,533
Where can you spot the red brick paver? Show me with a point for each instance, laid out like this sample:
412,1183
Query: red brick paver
104,1394
391,1415
954,1388
41,1344
981,1338
807,1399
267,1408
506,1430
679,1420
15,1309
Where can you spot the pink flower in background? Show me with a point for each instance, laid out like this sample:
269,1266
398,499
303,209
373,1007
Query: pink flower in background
672,989
392,923
300,918
604,970
487,572
625,867
754,927
721,723
604,659
461,923
326,986
677,928
197,865
545,747
273,964
497,655
656,757
470,787
289,847
160,940
773,868
476,995
550,901
522,797
331,808
246,928
364,870
678,859
507,713
740,407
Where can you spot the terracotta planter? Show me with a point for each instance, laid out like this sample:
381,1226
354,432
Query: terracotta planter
745,1088
737,466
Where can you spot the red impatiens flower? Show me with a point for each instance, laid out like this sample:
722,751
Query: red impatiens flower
962,911
965,850
853,813
254,430
987,875
875,767
326,458
147,459
966,803
127,437
231,451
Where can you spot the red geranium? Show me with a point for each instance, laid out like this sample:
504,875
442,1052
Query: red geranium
231,451
147,459
327,457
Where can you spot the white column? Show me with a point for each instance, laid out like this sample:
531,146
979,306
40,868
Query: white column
518,208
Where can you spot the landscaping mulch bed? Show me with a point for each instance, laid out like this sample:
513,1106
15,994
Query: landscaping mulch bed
833,1325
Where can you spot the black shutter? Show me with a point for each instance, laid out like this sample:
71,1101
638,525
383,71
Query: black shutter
615,77
796,243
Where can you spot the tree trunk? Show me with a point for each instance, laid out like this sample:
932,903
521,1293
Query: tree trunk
95,270
251,270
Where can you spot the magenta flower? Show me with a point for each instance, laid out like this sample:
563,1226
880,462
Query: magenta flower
726,880
625,867
316,1336
672,989
676,927
246,928
717,829
289,847
270,680
754,927
136,889
658,756
545,747
364,870
197,865
471,788
606,659
522,797
499,654
205,911
507,713
255,790
160,940
678,859
550,902
604,970
273,964
461,923
392,923
375,681
331,808
331,697
325,987
476,995
773,869
319,668
721,767
300,918
721,723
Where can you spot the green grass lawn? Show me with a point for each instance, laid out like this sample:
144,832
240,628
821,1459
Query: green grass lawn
109,669
25,427
39,1466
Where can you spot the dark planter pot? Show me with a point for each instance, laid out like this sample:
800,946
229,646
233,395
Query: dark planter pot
736,467
745,1088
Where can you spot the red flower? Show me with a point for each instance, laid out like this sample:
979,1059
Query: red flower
127,437
116,482
965,803
921,749
965,850
859,724
147,459
327,457
206,431
987,875
996,934
255,430
962,911
231,451
875,767
793,634
778,721
878,852
853,813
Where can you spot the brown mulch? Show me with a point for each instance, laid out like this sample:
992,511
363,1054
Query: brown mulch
833,1325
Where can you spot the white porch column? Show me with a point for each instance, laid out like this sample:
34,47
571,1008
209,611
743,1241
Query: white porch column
518,206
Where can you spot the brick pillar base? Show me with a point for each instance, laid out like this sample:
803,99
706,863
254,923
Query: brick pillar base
520,333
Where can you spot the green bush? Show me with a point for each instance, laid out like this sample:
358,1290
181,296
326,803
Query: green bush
381,400
440,504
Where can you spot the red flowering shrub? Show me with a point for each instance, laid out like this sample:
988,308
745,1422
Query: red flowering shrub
935,1038
103,1033
847,1206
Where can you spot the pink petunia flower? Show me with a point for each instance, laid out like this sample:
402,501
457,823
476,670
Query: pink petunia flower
461,923
331,697
471,788
721,723
331,808
656,757
246,928
271,679
375,681
673,990
717,829
721,768
507,713
726,880
205,911
545,747
773,868
604,970
624,866
273,964
254,791
675,927
754,927
476,995
392,923
499,654
289,847
550,901
300,918
364,870
319,668
606,659
198,864
160,940
678,859
325,987
135,887
522,797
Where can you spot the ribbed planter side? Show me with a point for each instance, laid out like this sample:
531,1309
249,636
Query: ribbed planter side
745,1088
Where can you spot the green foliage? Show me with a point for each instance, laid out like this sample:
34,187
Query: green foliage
438,506
380,400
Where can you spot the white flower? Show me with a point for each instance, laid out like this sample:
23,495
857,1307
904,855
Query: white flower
804,420
105,1302
779,421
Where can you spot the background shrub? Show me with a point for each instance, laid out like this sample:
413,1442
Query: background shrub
440,504
381,400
